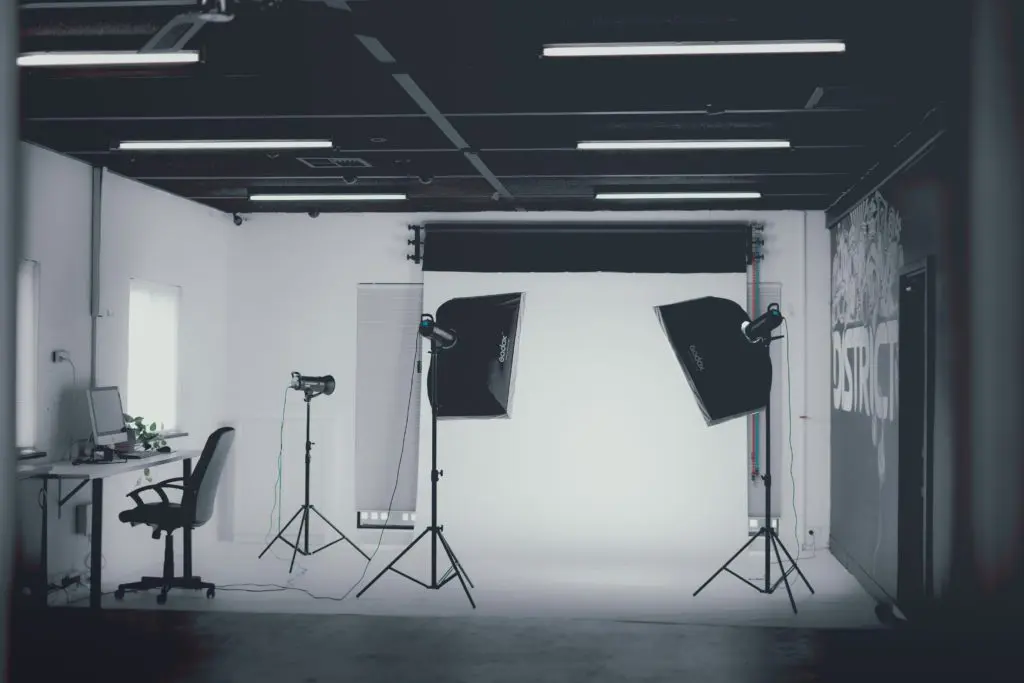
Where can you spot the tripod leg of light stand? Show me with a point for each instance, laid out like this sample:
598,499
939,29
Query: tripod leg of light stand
729,561
298,539
795,565
391,565
458,569
455,560
280,534
785,574
337,531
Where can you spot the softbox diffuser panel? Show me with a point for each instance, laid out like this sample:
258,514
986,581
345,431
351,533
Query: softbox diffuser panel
476,376
730,377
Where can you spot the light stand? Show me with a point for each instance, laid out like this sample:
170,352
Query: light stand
770,535
303,535
439,341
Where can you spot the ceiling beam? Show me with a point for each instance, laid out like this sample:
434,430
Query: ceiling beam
485,203
502,164
423,101
40,115
909,148
249,96
815,97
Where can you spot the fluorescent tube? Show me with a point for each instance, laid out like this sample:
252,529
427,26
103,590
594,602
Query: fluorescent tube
682,144
108,58
677,195
214,145
720,48
326,197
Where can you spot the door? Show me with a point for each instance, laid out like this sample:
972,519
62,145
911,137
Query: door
915,418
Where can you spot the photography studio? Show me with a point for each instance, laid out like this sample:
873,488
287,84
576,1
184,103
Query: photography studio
503,340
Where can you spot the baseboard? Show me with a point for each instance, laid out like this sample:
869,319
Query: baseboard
873,588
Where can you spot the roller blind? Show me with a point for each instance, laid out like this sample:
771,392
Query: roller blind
387,396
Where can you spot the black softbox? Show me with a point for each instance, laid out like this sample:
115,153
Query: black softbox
729,375
476,375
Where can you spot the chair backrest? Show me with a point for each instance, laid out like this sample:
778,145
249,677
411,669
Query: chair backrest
202,485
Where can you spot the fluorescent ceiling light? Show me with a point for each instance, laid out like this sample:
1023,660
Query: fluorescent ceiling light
186,145
722,48
326,197
108,58
683,144
678,195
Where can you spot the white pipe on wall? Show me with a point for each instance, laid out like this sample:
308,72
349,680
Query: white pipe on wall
805,468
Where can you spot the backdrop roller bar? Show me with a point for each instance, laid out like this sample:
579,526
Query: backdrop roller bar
724,355
311,387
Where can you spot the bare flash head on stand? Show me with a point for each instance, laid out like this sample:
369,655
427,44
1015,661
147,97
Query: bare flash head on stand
311,387
444,339
724,356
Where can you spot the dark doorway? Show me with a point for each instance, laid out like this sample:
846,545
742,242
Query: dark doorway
916,417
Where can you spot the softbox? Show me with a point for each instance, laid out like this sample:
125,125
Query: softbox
476,375
729,375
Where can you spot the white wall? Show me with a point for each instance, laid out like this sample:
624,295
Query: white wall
146,234
606,452
57,201
292,296
151,235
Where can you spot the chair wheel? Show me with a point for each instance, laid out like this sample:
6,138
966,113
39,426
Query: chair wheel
161,598
119,594
211,592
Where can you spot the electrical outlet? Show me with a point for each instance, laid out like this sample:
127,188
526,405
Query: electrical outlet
60,355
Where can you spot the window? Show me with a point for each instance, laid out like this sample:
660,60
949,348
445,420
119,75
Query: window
153,311
26,354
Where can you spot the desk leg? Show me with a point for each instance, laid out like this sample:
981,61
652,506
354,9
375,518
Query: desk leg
186,533
96,551
43,583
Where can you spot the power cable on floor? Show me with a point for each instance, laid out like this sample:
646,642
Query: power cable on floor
398,472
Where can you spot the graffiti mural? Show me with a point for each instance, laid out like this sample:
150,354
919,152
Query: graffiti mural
867,255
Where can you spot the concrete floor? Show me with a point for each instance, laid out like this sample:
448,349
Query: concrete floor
563,621
160,646
641,589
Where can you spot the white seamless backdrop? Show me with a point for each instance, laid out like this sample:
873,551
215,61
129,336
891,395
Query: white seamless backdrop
606,453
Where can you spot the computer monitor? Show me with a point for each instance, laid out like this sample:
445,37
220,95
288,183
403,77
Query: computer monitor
107,416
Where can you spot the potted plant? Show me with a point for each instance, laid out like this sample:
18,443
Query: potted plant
143,436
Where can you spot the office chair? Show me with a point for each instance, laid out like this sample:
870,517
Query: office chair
194,510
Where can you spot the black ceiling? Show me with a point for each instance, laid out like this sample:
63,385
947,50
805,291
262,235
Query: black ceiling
304,68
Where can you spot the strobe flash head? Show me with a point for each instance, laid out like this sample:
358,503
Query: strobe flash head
441,337
313,386
759,330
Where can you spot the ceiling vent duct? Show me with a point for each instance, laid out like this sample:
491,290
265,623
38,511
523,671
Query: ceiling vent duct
335,162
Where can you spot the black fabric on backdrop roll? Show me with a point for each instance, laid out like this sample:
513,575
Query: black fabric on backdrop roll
587,247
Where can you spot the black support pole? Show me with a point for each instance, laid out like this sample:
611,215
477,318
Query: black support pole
772,543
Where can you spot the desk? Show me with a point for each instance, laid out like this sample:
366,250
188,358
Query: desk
78,476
